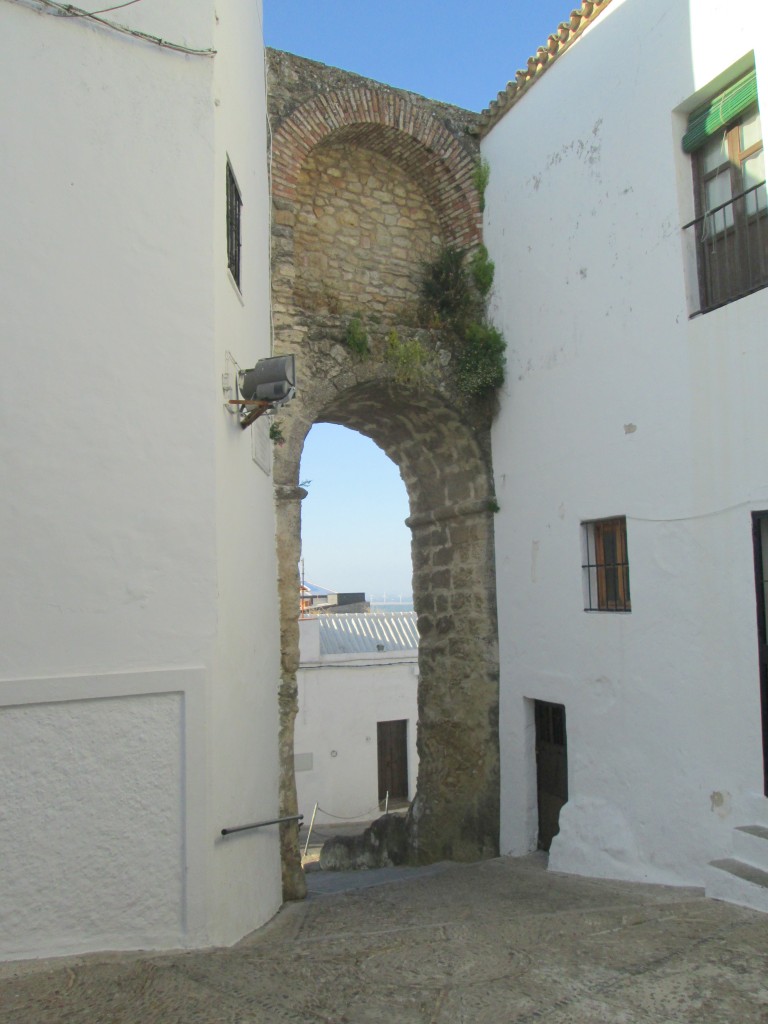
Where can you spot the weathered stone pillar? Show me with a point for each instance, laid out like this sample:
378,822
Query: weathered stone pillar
397,171
455,814
288,553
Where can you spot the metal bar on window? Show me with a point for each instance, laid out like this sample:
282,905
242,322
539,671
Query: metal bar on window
730,245
728,202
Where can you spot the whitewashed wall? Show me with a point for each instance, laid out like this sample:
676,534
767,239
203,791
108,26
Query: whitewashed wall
138,638
341,699
244,754
616,403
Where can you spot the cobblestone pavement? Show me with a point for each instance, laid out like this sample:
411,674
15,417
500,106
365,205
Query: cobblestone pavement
502,942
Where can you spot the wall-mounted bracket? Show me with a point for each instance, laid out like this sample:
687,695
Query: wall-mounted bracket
248,412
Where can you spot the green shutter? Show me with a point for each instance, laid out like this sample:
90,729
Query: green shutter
707,121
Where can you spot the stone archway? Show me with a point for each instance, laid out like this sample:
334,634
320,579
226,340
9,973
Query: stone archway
367,182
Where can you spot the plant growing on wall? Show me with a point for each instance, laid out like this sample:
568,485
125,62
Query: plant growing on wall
481,176
356,336
454,293
446,292
482,269
480,362
275,433
410,359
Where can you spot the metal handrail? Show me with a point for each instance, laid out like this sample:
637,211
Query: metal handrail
261,824
722,206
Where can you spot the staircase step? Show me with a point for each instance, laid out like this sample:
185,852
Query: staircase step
756,809
734,881
750,844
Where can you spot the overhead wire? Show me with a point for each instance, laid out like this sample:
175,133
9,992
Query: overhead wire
105,10
70,11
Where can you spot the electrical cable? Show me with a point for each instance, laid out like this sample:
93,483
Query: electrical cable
70,11
117,7
697,515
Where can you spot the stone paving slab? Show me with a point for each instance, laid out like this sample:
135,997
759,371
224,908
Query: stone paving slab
502,942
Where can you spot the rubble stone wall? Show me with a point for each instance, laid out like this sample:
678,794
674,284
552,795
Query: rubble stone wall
367,181
363,230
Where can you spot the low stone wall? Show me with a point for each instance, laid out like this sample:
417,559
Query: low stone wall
384,844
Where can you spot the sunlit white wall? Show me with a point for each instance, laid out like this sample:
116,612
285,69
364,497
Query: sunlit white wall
341,700
616,403
139,649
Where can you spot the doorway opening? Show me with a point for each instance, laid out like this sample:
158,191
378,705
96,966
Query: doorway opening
392,748
551,768
760,542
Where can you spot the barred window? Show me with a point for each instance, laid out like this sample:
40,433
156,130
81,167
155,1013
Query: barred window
234,205
605,566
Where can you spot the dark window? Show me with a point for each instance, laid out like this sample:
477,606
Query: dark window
605,566
234,206
730,231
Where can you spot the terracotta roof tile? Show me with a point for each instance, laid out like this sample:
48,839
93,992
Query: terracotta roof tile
545,56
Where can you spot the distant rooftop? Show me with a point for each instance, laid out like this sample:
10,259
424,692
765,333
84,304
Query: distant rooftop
372,633
314,590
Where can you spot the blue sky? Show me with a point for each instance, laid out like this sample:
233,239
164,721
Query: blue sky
353,531
462,53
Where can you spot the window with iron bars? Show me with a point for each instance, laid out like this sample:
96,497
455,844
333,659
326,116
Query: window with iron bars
234,206
605,565
730,230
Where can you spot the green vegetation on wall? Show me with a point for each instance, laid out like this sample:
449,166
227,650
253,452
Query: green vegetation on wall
454,293
276,433
454,287
481,176
410,359
356,336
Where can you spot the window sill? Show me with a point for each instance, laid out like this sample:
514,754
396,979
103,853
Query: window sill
609,611
236,287
727,302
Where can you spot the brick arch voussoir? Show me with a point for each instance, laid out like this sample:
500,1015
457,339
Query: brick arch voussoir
439,454
445,166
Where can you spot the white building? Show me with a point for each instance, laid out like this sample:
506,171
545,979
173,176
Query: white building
633,429
355,733
139,652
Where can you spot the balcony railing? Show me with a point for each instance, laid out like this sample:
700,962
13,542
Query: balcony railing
731,248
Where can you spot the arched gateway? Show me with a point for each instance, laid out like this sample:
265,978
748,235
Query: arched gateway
367,184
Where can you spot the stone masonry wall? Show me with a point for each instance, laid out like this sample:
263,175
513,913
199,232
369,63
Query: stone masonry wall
429,145
363,230
366,182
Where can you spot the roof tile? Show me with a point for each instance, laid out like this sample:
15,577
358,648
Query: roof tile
557,43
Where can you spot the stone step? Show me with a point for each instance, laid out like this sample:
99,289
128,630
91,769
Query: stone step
756,809
735,881
750,844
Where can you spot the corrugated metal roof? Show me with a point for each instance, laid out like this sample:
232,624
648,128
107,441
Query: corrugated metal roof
370,633
315,590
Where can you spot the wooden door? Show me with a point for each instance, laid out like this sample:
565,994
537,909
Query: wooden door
392,740
551,769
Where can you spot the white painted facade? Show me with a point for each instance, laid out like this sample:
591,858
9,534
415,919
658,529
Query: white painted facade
139,650
617,403
342,697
